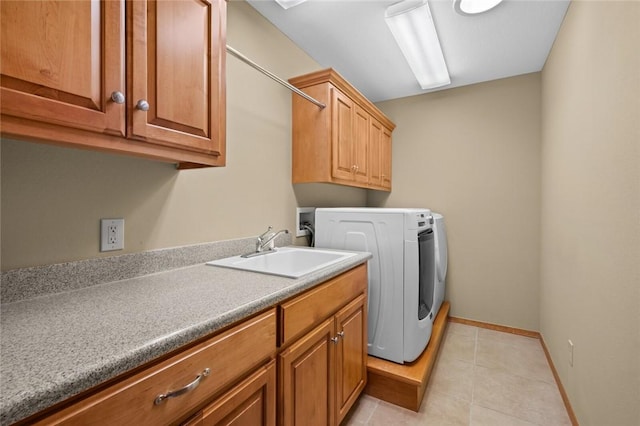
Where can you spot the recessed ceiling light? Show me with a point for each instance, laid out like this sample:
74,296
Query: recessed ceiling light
473,7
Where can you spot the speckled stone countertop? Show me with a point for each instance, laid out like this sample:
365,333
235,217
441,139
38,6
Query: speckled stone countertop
55,346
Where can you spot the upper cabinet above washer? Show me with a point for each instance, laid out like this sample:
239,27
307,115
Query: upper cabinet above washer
348,142
66,78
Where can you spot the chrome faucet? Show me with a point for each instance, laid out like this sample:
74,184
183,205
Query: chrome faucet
263,241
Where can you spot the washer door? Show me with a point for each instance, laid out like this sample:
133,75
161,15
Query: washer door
426,267
440,247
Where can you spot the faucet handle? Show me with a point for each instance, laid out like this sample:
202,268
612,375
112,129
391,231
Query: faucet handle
264,234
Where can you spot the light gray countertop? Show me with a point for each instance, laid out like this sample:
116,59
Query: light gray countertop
55,346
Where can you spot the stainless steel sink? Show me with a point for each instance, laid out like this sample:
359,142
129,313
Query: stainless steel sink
292,262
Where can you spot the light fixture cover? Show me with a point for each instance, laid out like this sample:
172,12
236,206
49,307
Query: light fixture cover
473,7
412,26
286,4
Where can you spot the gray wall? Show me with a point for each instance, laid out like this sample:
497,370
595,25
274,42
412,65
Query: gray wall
590,262
473,154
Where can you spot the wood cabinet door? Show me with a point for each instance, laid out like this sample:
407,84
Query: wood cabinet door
342,111
385,158
351,356
307,379
361,145
176,65
250,403
375,153
61,60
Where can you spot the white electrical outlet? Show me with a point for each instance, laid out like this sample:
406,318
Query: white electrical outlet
111,234
570,344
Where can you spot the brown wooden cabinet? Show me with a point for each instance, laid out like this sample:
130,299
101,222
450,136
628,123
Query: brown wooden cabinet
375,152
202,372
385,158
336,144
323,372
308,379
240,377
175,66
66,79
379,155
61,60
251,402
351,355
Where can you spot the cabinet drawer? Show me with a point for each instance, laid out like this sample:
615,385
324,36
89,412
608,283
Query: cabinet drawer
302,313
252,402
227,356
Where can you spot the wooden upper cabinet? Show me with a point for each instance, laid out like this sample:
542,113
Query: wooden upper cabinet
361,145
385,159
342,136
61,61
375,150
334,144
379,155
66,80
175,69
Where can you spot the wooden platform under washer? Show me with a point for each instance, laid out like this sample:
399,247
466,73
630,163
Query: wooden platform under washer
404,385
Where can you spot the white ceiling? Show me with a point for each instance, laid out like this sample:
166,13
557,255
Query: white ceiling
352,37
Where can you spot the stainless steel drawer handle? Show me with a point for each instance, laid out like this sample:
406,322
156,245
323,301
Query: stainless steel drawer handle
191,386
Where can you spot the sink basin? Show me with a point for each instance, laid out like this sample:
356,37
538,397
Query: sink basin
291,262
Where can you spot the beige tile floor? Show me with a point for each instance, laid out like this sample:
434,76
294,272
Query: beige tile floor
482,378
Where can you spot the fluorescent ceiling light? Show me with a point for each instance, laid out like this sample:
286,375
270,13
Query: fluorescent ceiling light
473,7
286,4
411,24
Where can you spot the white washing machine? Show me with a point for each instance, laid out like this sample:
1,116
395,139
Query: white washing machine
401,272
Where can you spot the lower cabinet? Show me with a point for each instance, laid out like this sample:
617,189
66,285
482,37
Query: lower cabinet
251,402
323,372
351,355
302,362
308,379
173,389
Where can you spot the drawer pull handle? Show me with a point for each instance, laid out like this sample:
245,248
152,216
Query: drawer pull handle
191,386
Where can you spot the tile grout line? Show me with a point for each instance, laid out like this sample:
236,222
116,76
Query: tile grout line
473,381
375,407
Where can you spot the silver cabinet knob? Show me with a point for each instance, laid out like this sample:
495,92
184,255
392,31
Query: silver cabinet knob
142,105
117,97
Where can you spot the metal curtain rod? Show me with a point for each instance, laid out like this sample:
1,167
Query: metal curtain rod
274,77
